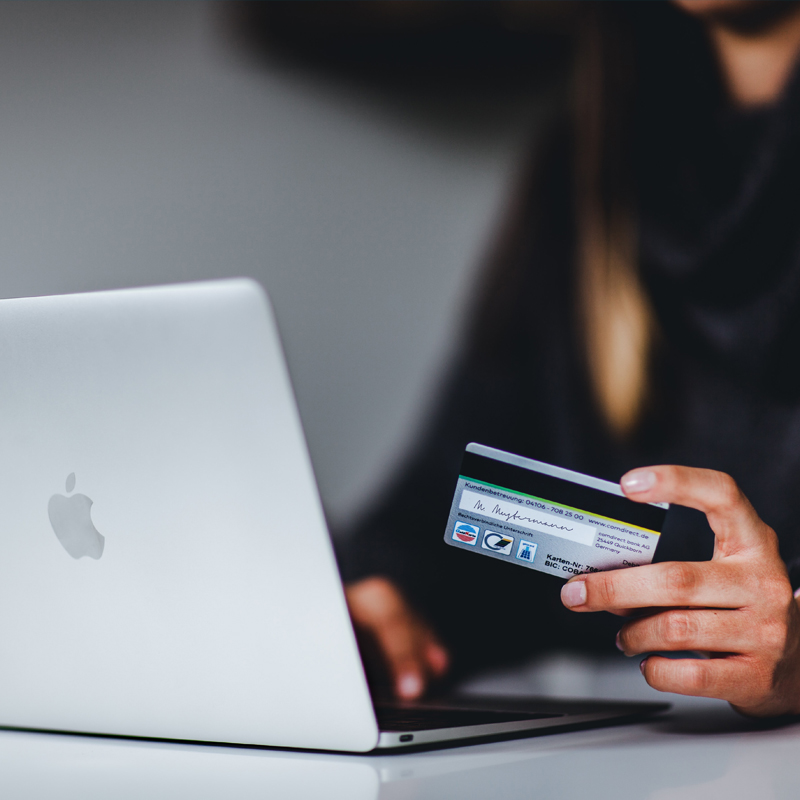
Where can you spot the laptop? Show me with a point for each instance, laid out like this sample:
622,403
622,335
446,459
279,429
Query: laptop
166,568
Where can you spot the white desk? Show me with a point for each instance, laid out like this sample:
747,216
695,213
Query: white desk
701,750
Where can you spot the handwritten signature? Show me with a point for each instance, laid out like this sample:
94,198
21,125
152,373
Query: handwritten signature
515,515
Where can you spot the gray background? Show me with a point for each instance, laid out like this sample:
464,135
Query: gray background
139,145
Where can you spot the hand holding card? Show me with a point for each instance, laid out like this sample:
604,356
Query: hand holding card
739,606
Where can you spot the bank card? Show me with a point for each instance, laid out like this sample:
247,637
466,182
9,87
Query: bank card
548,518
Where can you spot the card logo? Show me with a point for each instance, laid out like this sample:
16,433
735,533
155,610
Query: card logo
526,551
497,542
466,533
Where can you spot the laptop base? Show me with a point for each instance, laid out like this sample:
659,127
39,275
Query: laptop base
452,723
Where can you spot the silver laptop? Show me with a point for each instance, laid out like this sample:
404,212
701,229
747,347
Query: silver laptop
166,570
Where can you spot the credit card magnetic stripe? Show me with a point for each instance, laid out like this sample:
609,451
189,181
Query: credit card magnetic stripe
556,490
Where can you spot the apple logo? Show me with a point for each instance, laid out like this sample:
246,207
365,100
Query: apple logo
71,518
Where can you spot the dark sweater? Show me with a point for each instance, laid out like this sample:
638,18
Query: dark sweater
719,225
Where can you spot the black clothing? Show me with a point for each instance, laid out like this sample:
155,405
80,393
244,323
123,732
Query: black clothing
718,211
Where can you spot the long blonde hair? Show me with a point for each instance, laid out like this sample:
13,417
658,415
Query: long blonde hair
614,316
613,319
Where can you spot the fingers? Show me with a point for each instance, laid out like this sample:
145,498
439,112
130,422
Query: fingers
672,583
412,656
408,646
728,679
719,631
436,656
732,518
398,642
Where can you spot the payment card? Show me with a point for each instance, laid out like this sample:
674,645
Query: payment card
548,518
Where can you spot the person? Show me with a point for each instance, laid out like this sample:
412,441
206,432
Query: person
643,309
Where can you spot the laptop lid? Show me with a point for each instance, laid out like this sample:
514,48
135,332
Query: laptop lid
166,569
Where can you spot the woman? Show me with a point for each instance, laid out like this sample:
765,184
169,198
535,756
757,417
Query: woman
646,310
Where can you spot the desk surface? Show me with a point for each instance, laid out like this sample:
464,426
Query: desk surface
701,749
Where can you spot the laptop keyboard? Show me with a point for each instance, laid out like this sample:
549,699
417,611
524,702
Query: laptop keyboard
397,719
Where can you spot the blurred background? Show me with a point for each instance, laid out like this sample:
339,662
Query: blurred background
355,158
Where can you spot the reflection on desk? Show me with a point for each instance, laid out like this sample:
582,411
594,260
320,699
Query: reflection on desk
700,750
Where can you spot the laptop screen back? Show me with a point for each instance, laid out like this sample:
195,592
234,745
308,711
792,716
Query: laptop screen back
166,569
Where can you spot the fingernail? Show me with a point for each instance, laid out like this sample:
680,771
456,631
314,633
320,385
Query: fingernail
641,665
409,686
640,480
573,594
618,643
